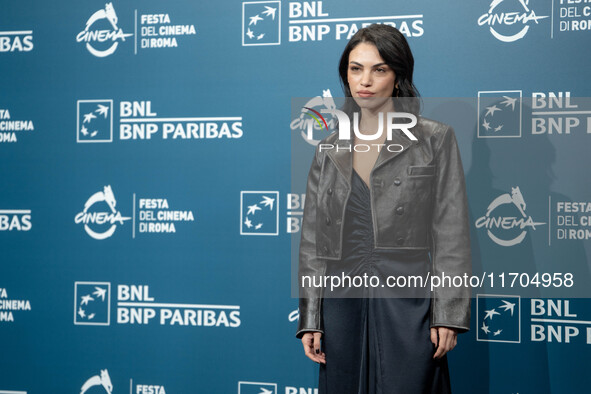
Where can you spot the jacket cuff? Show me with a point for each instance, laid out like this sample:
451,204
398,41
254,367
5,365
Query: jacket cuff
451,312
310,316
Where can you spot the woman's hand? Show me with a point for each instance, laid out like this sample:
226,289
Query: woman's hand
444,338
311,342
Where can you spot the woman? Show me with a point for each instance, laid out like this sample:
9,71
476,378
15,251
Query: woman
397,208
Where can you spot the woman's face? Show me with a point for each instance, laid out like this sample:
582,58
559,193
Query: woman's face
368,75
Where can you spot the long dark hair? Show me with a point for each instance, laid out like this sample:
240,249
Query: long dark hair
394,49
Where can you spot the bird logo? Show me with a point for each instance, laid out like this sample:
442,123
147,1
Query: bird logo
260,20
259,213
95,121
88,117
91,303
498,318
257,388
252,210
489,121
499,113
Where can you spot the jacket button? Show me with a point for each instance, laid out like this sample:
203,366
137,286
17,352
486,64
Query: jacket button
397,181
400,241
329,191
400,210
327,221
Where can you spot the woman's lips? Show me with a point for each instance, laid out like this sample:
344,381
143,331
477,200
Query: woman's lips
365,93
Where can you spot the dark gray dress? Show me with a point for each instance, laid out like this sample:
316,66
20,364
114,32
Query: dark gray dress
377,342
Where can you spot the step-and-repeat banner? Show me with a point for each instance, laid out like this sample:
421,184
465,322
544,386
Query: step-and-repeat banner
148,212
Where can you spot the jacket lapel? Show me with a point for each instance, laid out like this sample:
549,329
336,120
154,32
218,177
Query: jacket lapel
343,158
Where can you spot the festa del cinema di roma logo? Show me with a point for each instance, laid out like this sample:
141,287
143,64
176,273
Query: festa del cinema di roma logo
102,383
98,223
507,224
102,42
509,25
103,380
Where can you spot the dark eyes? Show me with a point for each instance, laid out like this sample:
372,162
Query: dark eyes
379,69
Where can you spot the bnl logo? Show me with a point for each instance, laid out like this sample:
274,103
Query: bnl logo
94,121
259,213
257,388
261,23
499,114
92,303
498,318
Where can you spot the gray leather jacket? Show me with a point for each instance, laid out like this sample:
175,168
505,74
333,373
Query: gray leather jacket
418,201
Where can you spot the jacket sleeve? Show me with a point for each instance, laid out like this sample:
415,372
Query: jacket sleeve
310,266
450,237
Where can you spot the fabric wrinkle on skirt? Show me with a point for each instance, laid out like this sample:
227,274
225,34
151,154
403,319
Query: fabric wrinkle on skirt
377,343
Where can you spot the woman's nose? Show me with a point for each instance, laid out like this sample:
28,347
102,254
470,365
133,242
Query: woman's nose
366,79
